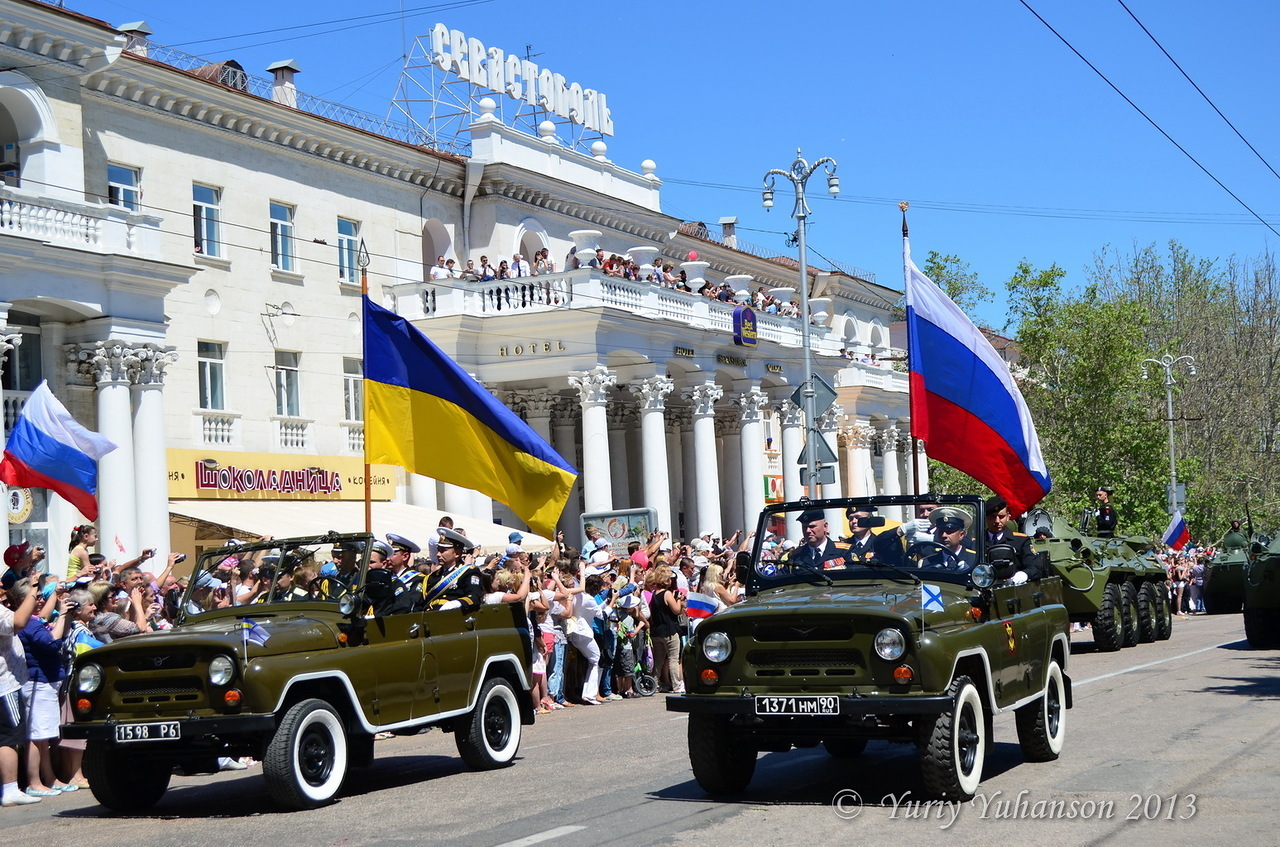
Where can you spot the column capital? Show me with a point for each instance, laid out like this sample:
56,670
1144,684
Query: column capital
593,385
149,364
652,392
703,398
7,342
831,419
790,413
679,418
728,425
860,435
564,411
620,414
752,404
534,402
890,437
100,362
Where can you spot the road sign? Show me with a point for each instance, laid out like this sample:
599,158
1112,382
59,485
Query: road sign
823,396
822,453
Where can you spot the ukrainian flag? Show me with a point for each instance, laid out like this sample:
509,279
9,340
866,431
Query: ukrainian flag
426,414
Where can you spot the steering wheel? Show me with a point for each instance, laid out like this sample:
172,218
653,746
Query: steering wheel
319,588
922,550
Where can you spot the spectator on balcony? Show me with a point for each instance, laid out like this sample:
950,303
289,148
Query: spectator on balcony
486,271
452,267
469,273
725,294
504,272
542,263
440,271
598,260
519,267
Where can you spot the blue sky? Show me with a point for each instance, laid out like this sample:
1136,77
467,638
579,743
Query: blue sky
1005,143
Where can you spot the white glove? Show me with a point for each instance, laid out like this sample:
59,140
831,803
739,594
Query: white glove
1018,578
454,604
918,529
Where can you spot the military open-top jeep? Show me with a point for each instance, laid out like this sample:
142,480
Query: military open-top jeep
302,677
906,641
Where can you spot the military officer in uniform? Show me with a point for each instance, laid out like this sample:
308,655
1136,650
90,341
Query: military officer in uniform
456,584
818,550
400,562
388,595
866,545
1104,516
951,530
346,560
1026,562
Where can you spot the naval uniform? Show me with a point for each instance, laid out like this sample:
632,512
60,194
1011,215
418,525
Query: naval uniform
464,586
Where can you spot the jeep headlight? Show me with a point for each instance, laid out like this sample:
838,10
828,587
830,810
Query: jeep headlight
89,678
221,669
716,647
890,645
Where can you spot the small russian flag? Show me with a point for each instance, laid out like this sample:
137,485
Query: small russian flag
1177,535
700,606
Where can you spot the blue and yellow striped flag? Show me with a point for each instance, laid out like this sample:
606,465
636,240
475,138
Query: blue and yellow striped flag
426,414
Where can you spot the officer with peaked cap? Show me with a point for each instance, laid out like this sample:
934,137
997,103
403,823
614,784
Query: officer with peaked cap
346,560
387,595
400,562
951,529
456,584
818,550
1105,514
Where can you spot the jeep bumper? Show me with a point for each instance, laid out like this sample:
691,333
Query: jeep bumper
195,729
849,706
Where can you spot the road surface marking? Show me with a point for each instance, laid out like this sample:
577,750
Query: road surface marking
543,836
1153,664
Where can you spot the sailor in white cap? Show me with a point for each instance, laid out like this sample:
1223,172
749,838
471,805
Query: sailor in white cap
400,562
456,584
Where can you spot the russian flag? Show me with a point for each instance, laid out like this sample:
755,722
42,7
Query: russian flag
48,449
964,403
1177,535
700,606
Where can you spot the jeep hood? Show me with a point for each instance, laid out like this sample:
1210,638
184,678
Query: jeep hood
886,597
293,633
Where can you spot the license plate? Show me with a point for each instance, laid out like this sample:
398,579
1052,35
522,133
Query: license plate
798,705
129,732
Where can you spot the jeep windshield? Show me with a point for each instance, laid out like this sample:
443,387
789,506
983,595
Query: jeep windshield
284,570
903,538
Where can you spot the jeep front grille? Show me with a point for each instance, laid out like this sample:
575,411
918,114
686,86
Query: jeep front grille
182,689
805,659
797,632
161,661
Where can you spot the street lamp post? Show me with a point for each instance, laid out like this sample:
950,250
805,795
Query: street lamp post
1168,363
799,175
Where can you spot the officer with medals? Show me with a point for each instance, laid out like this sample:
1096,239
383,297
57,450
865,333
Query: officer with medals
388,595
866,545
400,562
818,551
456,584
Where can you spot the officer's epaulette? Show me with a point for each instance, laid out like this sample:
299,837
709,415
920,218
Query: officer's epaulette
974,552
1019,534
843,545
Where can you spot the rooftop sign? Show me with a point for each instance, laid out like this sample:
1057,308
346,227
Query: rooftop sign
519,79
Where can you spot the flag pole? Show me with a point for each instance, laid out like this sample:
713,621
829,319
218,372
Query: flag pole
362,259
915,450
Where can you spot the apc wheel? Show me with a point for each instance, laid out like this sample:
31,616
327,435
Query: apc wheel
722,764
1148,612
489,737
646,685
123,782
1108,624
955,748
1042,725
306,760
1129,609
1260,628
1164,618
845,748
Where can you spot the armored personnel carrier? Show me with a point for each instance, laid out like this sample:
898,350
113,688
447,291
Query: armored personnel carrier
1224,576
1262,594
1115,585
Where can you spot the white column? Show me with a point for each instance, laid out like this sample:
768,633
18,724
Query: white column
889,441
593,393
652,394
150,462
729,434
703,400
457,500
107,363
751,406
923,459
689,475
618,415
828,425
862,475
7,343
675,472
564,428
422,491
791,420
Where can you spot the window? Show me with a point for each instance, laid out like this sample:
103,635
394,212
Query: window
353,389
209,356
286,384
206,213
122,186
348,250
282,236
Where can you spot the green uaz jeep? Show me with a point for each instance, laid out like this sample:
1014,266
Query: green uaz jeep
876,625
301,677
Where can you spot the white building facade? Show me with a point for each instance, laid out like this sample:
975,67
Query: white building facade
180,257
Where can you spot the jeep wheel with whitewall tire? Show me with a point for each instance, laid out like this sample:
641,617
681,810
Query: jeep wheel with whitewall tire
1108,623
845,748
1148,612
306,760
1129,608
122,781
489,735
953,749
721,763
1042,724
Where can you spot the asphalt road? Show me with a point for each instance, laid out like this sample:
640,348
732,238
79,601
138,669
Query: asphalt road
1169,743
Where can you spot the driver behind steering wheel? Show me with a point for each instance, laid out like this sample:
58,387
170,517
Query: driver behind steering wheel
1026,563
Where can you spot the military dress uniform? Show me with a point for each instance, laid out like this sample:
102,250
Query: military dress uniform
457,587
1104,516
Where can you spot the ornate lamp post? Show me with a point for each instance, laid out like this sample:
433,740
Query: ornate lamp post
799,175
1169,362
